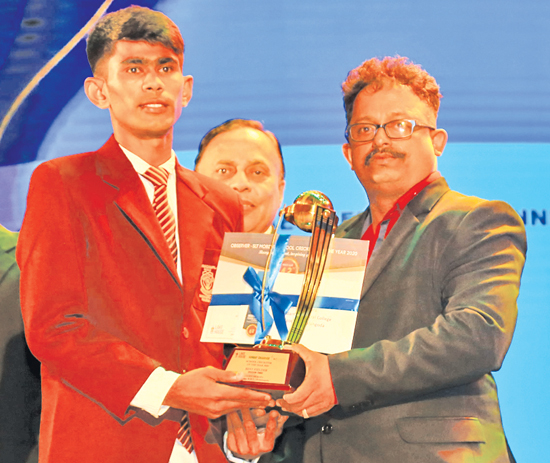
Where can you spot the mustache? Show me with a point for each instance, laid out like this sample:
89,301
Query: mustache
375,151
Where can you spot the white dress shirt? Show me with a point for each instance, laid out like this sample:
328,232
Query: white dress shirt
151,395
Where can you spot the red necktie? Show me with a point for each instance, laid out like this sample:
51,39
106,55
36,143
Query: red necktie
158,176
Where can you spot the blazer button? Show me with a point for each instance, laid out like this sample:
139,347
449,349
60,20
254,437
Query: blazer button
185,332
326,429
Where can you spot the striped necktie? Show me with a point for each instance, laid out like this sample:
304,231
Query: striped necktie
158,176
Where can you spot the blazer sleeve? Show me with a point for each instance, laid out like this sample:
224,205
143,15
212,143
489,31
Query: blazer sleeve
477,276
59,329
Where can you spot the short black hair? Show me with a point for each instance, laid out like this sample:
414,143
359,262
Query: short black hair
134,23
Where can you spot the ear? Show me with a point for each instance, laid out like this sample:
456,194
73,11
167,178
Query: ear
346,149
439,140
95,90
187,90
282,184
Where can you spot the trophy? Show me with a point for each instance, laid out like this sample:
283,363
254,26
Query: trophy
272,366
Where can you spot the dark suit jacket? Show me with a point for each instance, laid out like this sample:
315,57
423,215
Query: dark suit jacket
103,305
19,370
436,317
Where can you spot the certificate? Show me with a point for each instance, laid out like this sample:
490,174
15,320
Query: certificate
233,318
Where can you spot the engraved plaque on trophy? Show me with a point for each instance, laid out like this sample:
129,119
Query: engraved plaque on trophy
269,367
272,366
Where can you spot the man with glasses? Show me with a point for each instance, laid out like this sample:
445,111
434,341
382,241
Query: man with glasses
438,305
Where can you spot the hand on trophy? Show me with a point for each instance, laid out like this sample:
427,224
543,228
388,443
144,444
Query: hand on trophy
316,394
311,211
252,433
200,391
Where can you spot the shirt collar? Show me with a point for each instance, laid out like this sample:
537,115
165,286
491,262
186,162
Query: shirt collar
403,200
141,166
409,195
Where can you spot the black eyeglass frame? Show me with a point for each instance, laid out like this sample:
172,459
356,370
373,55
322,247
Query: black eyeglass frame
383,126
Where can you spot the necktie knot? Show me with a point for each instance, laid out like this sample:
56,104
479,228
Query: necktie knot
158,176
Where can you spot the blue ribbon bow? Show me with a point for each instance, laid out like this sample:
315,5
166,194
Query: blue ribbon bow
278,303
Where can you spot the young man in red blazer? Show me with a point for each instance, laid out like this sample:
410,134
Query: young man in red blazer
111,309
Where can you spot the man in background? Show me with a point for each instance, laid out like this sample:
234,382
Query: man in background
19,370
111,251
438,305
244,156
247,158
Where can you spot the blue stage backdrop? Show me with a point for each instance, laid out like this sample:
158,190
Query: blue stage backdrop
282,63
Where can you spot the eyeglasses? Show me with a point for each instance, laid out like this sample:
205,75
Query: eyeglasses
402,128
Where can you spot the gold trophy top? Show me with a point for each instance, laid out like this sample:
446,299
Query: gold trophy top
302,212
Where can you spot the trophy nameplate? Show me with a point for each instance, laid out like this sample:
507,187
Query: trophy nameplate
268,367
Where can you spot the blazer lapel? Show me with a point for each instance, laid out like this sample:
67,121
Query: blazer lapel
408,221
352,228
130,198
195,221
405,225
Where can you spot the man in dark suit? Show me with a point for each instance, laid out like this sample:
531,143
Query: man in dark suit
438,305
117,253
19,370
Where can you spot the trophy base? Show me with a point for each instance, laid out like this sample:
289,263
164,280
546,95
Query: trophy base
274,370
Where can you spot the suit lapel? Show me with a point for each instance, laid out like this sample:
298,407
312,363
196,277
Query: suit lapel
352,228
195,221
408,221
130,198
405,225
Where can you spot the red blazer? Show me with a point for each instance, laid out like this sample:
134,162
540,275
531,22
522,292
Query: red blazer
103,305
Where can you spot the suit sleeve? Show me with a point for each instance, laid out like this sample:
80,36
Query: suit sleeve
60,331
478,277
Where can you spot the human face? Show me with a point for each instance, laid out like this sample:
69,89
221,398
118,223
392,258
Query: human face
143,87
392,166
248,161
